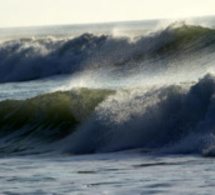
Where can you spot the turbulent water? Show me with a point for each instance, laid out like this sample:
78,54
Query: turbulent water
138,95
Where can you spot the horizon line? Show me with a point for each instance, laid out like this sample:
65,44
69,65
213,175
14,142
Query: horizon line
105,22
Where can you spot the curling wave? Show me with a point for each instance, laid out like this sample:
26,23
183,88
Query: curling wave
33,58
159,119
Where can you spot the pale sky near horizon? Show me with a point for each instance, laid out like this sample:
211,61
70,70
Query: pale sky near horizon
51,12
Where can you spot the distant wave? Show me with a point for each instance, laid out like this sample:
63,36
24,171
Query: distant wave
34,58
162,119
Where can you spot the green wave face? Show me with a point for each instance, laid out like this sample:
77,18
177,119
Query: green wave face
189,37
48,117
42,112
175,41
84,101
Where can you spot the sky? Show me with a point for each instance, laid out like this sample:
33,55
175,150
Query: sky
51,12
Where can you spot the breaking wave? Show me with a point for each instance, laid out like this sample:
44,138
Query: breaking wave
167,119
161,119
32,58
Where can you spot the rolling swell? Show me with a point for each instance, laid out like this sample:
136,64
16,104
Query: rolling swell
33,58
44,119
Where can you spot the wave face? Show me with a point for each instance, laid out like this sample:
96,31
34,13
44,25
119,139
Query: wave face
27,124
24,59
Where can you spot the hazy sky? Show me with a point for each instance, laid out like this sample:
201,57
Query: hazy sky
48,12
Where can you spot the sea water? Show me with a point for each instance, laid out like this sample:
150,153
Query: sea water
108,174
120,108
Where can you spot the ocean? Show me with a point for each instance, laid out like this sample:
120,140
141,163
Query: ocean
113,108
